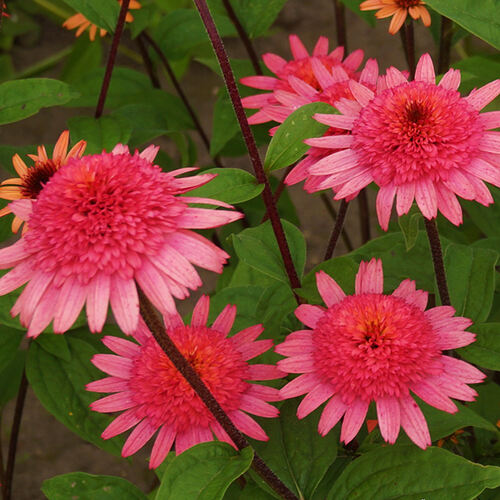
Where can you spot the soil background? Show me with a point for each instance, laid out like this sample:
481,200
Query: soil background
46,448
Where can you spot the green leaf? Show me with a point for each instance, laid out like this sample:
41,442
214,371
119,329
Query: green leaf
470,272
485,351
9,344
478,71
481,20
82,486
204,472
258,15
409,473
232,185
287,145
85,56
102,133
60,387
103,13
257,247
368,16
20,99
295,451
485,218
55,344
10,377
409,226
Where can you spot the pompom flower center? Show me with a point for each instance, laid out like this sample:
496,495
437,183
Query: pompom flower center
416,131
101,213
165,397
372,345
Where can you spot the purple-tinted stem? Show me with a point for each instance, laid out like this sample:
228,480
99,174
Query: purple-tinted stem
161,336
111,58
340,25
181,94
408,41
437,259
243,36
148,64
445,45
337,229
333,213
267,194
364,216
14,436
279,190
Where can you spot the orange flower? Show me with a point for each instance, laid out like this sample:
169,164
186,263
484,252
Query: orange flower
3,11
32,179
399,9
82,23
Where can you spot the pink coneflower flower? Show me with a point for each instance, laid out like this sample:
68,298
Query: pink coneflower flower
156,396
102,224
417,140
32,179
303,77
374,347
399,10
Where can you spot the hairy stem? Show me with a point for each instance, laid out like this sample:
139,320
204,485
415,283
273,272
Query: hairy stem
14,436
267,194
337,229
111,58
445,45
340,25
408,41
188,372
279,190
182,95
437,259
333,214
243,36
364,216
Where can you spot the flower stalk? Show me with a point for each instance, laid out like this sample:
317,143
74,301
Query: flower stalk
337,229
445,45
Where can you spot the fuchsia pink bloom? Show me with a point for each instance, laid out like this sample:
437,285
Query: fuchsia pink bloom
320,77
101,224
416,140
374,347
156,397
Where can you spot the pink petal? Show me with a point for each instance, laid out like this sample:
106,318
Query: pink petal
200,311
490,119
150,153
337,54
321,47
313,399
138,437
348,107
425,196
394,77
248,425
370,277
369,75
274,62
406,195
163,444
221,434
121,423
490,142
463,371
44,311
484,170
407,291
438,314
459,184
455,339
264,372
149,279
124,303
328,288
413,422
323,76
98,292
206,201
206,218
425,70
22,208
12,255
353,420
389,418
361,93
304,363
297,47
108,384
454,388
335,163
481,192
121,346
31,296
114,365
309,315
333,412
353,60
247,335
296,346
451,79
479,98
255,101
357,183
433,396
298,386
114,402
385,200
69,304
264,392
253,349
16,277
331,141
224,321
175,265
260,82
448,204
301,87
337,121
256,406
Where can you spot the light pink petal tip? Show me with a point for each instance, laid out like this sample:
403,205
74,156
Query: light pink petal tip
370,277
224,321
353,420
309,315
425,70
328,288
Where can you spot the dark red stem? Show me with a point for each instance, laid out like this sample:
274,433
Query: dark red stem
188,372
340,25
181,94
243,36
279,190
445,45
337,229
364,216
408,41
148,64
267,194
14,436
333,213
437,259
111,58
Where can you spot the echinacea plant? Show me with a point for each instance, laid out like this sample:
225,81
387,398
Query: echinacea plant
371,372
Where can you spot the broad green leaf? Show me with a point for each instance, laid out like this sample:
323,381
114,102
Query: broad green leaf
487,404
54,344
470,272
409,473
10,376
485,218
20,99
203,472
232,185
257,247
295,451
478,71
368,16
409,227
103,13
6,154
287,145
258,15
85,56
248,491
485,351
83,486
481,20
9,344
60,387
102,133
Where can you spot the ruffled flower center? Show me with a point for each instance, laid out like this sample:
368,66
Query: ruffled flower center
102,213
373,345
414,131
162,394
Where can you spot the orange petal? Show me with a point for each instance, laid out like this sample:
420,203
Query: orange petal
11,193
371,5
14,180
397,21
16,224
134,4
74,21
5,211
77,150
19,165
59,153
426,17
386,12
